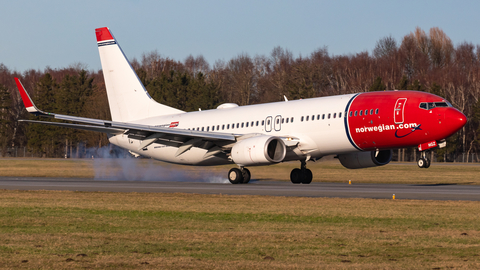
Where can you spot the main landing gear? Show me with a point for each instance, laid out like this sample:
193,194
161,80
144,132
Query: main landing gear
424,161
302,175
239,176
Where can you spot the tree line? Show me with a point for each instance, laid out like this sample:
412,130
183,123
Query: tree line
420,61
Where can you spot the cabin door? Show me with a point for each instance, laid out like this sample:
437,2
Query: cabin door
399,111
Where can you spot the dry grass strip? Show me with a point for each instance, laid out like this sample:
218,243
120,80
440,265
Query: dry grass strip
62,229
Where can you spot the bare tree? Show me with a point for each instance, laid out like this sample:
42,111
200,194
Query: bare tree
441,47
385,47
194,65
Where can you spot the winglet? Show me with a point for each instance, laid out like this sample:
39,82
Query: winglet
27,101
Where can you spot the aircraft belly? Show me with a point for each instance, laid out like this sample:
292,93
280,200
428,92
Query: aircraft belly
194,156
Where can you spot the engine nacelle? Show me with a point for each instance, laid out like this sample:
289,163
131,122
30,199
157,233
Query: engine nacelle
259,150
366,159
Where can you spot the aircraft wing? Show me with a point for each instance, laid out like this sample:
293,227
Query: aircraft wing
214,142
149,134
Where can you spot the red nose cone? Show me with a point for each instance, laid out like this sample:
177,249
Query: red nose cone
454,120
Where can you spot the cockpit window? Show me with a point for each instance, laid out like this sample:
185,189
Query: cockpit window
431,105
441,104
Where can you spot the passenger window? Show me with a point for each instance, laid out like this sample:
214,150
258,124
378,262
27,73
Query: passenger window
307,118
301,119
335,115
228,126
287,120
291,120
242,124
361,112
283,120
263,123
202,129
339,115
238,125
208,128
256,124
329,116
213,128
223,127
366,112
318,117
351,113
356,113
371,112
313,117
376,111
323,116
246,124
233,126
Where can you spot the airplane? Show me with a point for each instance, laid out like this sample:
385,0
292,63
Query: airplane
360,129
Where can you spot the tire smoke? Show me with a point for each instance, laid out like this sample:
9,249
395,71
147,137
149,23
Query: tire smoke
119,165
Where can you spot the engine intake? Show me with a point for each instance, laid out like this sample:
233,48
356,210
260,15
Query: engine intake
259,150
365,159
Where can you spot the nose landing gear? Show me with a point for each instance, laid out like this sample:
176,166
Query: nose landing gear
302,175
424,161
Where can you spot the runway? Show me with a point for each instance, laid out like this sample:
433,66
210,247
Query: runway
268,188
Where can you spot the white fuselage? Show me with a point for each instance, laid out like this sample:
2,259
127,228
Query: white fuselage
322,131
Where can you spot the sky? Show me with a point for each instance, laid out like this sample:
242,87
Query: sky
61,33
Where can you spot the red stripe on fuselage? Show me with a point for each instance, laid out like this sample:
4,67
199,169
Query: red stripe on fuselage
399,122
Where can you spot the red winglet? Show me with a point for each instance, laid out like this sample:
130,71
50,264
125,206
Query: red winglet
103,34
26,99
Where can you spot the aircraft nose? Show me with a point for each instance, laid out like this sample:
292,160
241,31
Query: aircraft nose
454,119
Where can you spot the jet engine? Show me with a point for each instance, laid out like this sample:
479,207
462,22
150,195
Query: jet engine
365,159
258,150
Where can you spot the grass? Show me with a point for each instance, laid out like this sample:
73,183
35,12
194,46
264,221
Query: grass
62,229
323,171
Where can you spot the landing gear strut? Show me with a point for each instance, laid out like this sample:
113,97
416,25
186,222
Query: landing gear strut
239,176
424,161
302,175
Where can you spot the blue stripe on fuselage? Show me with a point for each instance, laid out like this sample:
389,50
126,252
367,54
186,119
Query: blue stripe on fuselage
346,122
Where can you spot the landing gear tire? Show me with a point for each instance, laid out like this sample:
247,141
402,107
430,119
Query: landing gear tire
246,175
421,162
427,163
424,161
296,176
302,175
235,176
307,177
